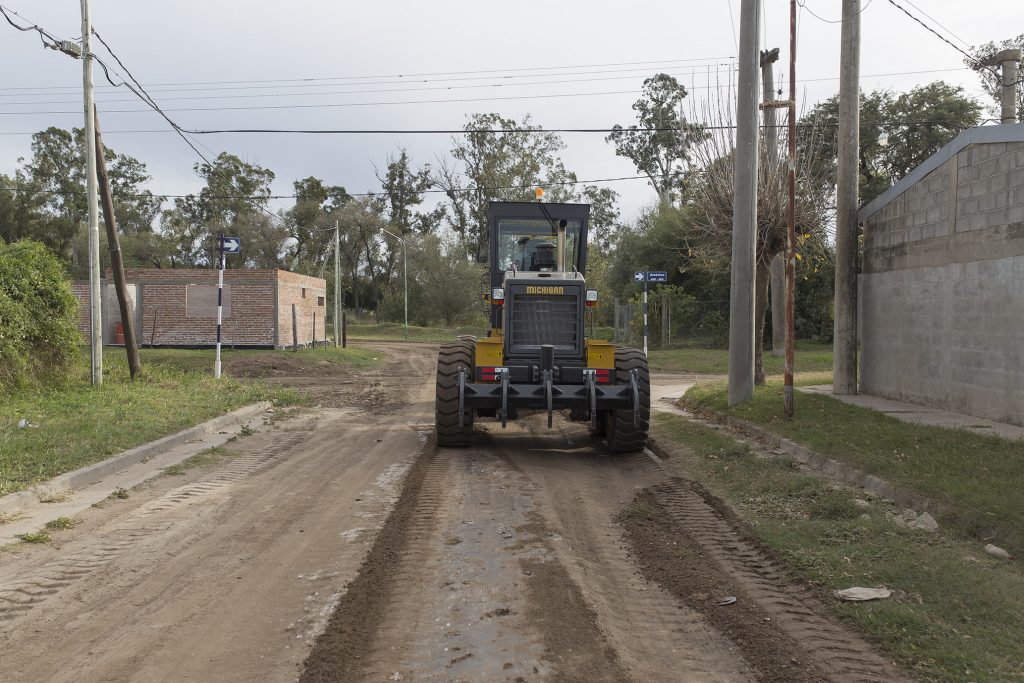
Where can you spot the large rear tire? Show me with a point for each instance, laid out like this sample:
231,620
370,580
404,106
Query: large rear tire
450,359
622,435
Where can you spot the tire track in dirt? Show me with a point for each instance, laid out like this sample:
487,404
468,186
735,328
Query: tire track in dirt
19,594
654,636
807,646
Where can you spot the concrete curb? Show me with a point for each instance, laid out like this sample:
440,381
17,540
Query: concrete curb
19,500
828,466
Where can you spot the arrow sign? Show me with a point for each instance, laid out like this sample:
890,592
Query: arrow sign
638,276
230,245
657,276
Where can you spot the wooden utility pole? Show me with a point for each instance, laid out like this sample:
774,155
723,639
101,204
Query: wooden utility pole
844,360
744,228
92,214
116,262
778,266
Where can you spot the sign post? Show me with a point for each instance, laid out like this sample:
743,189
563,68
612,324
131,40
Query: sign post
648,276
226,245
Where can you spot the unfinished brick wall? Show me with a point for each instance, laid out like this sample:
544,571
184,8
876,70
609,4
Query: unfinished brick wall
179,307
309,294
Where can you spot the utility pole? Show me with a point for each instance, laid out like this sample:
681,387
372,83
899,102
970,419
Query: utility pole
337,284
778,266
647,277
787,389
405,278
95,294
116,262
1007,60
744,230
844,362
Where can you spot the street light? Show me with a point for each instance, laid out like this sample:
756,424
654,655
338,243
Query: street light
405,277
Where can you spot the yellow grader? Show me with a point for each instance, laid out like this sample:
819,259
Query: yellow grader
536,356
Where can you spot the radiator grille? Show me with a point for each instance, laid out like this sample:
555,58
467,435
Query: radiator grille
544,319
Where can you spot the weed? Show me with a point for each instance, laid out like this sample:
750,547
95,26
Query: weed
58,497
60,523
637,511
34,537
174,470
246,430
118,494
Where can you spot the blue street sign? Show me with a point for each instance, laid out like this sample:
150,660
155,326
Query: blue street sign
657,276
638,276
230,245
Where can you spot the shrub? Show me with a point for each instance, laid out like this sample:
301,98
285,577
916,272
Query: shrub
38,334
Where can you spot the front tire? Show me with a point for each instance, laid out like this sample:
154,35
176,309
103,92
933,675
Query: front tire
450,359
622,436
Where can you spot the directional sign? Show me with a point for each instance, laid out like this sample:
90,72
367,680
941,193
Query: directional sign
230,245
650,276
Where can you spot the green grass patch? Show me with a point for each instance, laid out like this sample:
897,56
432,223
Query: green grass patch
956,614
60,523
809,357
75,424
204,458
396,332
118,494
201,360
34,537
977,480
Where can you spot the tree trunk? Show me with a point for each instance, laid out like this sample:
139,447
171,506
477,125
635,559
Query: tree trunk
762,277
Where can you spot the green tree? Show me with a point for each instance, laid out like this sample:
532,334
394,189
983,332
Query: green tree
309,221
991,81
916,123
404,190
233,202
488,165
660,145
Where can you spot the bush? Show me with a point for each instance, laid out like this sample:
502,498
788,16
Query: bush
38,311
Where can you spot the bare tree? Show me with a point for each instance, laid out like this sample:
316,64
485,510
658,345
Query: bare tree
712,198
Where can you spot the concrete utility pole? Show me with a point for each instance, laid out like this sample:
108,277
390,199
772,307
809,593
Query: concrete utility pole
1008,60
116,262
405,277
778,267
93,224
744,228
337,284
844,362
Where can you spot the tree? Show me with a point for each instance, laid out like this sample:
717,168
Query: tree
489,165
234,202
660,146
991,78
917,123
404,189
309,220
449,283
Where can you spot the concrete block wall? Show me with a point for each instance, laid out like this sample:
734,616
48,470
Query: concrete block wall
309,294
942,289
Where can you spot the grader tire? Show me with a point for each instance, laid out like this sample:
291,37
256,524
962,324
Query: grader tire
450,359
621,434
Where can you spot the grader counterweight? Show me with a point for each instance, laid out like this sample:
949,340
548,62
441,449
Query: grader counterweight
536,356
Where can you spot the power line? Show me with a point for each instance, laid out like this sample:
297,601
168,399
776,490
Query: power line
803,4
264,84
414,75
359,92
937,23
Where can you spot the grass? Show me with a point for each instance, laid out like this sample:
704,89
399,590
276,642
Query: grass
809,357
956,613
60,523
396,332
201,360
34,537
204,458
79,425
977,481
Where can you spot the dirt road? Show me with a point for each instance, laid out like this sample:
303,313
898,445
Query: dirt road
341,545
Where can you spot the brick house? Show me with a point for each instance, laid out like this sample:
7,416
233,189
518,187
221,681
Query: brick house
941,303
178,307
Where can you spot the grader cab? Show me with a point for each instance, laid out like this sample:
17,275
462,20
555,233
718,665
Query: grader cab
536,356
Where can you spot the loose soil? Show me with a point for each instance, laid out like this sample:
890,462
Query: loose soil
342,544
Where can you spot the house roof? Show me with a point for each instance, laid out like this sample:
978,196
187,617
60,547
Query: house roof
1011,132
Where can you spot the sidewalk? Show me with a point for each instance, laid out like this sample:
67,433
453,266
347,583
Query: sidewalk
918,414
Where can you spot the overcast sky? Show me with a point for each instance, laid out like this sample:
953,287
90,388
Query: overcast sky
242,45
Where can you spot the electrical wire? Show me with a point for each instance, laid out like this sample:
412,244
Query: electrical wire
803,4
